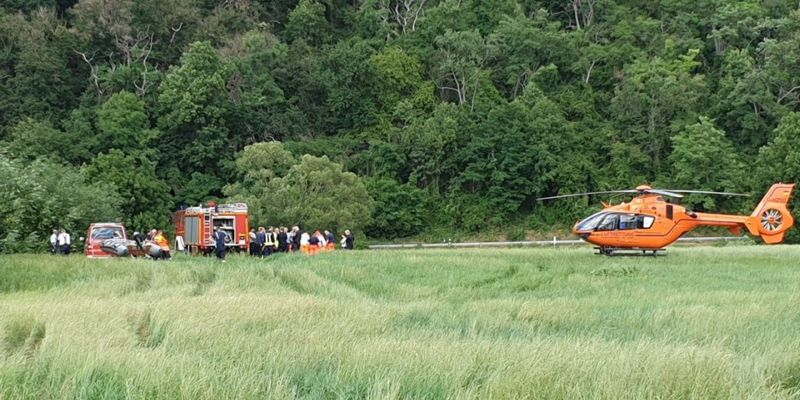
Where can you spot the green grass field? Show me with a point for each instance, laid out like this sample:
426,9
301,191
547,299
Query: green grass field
704,322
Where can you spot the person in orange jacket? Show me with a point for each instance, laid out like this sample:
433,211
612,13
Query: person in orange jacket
161,241
330,238
313,243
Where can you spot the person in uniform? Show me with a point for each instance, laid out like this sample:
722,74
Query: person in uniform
220,237
253,243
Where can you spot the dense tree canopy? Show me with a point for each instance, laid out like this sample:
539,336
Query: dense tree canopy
427,114
312,192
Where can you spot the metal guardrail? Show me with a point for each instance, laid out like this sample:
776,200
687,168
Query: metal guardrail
555,242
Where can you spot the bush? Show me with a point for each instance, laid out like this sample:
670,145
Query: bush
398,211
516,233
40,196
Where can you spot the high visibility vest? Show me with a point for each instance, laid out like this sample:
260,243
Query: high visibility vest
162,242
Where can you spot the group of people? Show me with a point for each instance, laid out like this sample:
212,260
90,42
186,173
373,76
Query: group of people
60,242
265,241
156,236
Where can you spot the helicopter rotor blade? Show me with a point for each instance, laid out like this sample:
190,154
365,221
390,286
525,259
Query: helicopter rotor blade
709,192
585,194
664,193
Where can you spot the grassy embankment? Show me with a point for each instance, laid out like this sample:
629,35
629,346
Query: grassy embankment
711,322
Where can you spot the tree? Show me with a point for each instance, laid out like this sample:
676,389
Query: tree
145,197
312,191
191,93
113,37
430,142
397,211
397,16
318,194
257,166
743,104
779,161
124,124
194,107
173,24
26,5
260,111
704,159
349,82
296,69
307,22
736,25
529,157
524,46
654,95
30,139
781,66
459,62
398,75
40,74
36,200
480,106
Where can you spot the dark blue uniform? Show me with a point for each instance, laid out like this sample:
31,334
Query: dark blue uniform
261,238
219,243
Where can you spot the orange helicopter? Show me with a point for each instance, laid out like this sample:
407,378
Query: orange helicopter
649,223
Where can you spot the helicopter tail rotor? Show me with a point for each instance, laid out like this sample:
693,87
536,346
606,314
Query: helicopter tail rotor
771,218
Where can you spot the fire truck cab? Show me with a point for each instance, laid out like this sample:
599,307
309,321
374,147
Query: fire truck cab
195,226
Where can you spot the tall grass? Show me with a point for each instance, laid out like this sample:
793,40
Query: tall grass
711,322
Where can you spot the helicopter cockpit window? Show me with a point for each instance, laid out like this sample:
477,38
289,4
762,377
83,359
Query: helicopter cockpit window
591,222
609,223
606,221
628,221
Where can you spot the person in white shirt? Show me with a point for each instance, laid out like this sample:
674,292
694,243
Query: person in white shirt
304,242
254,250
54,242
64,242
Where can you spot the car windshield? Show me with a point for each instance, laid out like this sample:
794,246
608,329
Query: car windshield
107,232
591,222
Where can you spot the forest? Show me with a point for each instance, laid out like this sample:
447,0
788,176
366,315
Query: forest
394,118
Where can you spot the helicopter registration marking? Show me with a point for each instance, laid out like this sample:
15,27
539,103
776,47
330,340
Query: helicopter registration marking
627,235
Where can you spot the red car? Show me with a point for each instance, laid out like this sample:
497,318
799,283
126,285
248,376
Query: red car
100,232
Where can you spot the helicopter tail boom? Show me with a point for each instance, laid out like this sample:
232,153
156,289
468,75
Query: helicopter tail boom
771,218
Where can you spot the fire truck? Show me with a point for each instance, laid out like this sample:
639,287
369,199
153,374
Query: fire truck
196,225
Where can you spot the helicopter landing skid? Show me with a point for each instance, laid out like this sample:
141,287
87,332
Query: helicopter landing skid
629,251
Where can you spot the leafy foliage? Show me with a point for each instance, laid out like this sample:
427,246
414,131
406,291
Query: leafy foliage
40,196
312,192
704,159
144,196
456,113
398,209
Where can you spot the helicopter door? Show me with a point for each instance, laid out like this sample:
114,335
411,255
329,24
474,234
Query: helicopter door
627,222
